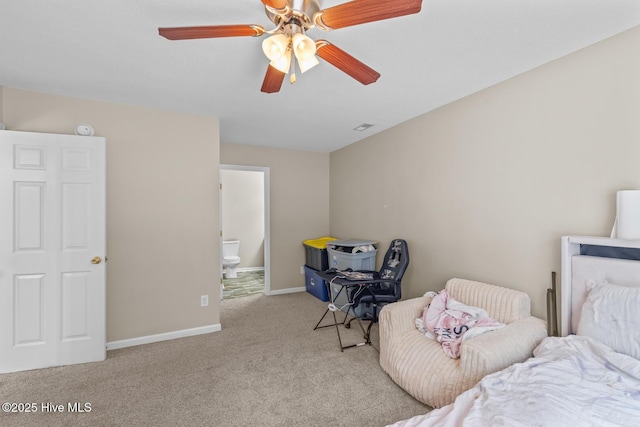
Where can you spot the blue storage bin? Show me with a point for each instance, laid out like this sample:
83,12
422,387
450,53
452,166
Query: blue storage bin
315,284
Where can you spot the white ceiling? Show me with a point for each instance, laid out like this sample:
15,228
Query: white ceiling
110,50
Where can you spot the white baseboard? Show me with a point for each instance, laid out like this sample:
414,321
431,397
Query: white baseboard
287,291
114,345
245,269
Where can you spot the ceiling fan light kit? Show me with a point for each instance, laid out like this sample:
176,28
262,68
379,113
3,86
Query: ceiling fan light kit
288,42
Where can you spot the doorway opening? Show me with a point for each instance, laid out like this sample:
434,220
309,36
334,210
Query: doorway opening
244,225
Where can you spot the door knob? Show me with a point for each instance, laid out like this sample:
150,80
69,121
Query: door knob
96,260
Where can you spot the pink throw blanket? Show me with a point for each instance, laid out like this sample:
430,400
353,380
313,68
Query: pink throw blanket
450,322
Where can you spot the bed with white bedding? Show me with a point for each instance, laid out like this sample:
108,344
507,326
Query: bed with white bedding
588,377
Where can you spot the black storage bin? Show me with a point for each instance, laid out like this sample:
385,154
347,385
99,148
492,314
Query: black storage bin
315,251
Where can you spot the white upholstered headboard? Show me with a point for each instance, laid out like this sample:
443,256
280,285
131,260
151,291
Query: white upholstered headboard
577,269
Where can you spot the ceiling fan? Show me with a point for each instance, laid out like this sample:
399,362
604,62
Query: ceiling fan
288,42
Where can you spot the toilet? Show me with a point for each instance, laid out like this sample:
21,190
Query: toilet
230,258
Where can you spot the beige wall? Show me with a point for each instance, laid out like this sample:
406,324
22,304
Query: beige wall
483,188
299,203
162,207
243,213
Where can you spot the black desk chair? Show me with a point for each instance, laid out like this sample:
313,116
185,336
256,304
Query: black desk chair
386,285
367,297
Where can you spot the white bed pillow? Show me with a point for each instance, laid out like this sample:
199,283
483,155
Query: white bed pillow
611,315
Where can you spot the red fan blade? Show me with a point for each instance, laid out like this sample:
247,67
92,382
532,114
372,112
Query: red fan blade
272,80
347,63
211,31
362,11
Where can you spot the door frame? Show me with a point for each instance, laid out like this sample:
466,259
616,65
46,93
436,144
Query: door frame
267,233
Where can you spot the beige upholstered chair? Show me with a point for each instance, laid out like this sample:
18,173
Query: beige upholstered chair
420,366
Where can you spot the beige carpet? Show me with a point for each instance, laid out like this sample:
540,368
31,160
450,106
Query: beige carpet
267,367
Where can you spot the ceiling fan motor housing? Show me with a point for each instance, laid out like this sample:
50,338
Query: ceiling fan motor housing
302,10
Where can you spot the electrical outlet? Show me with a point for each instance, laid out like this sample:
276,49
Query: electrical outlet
204,300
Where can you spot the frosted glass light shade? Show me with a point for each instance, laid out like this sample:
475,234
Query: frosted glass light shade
303,46
307,64
282,63
305,50
275,46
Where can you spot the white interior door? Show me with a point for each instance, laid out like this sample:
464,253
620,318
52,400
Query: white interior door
52,250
